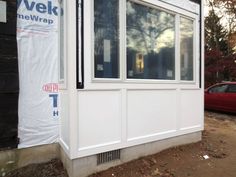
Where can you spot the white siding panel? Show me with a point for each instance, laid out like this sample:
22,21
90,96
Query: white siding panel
185,4
191,109
99,118
64,119
150,113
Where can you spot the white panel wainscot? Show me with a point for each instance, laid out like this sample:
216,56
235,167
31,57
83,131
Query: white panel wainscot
191,110
99,119
64,118
151,114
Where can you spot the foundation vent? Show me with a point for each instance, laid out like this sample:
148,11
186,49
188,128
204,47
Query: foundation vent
108,156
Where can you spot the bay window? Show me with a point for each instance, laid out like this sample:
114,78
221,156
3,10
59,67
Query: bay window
157,44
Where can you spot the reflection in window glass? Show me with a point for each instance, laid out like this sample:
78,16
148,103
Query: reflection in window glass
186,49
150,43
61,74
218,89
106,46
232,88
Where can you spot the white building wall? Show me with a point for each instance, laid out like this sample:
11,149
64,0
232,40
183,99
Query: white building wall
108,115
64,123
113,119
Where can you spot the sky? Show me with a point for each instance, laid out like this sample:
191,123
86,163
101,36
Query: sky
206,10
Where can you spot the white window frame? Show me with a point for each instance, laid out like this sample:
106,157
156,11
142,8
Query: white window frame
119,79
178,12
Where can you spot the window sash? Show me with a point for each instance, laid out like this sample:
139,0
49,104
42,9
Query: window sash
106,40
123,51
62,43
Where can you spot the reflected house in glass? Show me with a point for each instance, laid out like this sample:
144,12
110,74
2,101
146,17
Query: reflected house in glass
139,63
133,80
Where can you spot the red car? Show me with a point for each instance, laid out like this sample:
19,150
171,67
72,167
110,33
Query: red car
221,97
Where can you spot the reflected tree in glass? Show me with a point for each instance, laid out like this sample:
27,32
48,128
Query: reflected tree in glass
150,43
186,48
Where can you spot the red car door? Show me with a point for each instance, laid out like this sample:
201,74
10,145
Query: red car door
215,97
230,99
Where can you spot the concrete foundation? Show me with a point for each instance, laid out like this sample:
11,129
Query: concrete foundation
83,167
17,158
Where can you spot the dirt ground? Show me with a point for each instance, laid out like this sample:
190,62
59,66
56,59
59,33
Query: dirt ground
219,143
54,168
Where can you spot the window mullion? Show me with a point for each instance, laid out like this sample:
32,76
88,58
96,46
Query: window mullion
122,39
196,51
177,48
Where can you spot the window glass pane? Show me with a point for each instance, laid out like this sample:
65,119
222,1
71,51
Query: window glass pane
218,89
150,43
106,45
232,88
61,74
186,49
